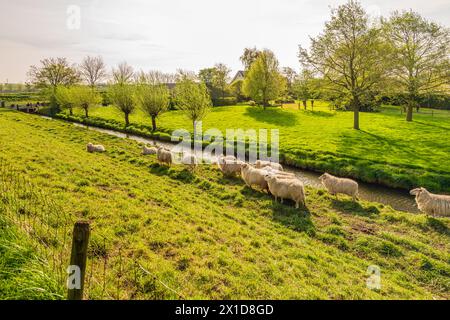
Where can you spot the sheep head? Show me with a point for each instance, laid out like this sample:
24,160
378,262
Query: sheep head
324,177
416,192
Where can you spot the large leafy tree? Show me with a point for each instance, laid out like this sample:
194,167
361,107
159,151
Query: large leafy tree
153,96
264,82
221,78
193,98
348,54
419,56
53,72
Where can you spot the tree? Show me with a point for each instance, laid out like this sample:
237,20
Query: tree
290,75
221,78
236,89
193,98
302,87
153,98
348,54
122,96
123,74
53,72
419,53
207,76
65,98
92,70
263,82
249,56
84,98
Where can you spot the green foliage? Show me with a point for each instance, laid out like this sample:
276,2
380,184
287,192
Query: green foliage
193,99
84,97
122,97
153,100
263,82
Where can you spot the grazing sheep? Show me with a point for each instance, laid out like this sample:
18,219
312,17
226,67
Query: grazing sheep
286,189
230,166
149,150
95,148
430,203
336,185
190,160
254,176
262,164
280,174
164,156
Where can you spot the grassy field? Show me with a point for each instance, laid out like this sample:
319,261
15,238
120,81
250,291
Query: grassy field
211,237
387,150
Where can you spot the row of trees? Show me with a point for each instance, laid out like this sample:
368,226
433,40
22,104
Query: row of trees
357,58
127,90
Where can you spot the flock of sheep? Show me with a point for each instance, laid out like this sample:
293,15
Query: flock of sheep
270,176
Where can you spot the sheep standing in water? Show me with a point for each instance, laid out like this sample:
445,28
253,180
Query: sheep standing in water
430,203
95,148
336,185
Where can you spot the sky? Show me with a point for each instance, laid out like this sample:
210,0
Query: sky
168,35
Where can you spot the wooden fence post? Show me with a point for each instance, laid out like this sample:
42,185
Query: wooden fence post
81,232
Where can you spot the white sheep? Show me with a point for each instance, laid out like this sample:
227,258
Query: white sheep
336,185
95,148
149,150
229,166
190,160
278,173
164,156
289,188
261,164
430,203
254,176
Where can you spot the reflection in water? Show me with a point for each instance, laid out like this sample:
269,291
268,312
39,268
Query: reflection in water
396,198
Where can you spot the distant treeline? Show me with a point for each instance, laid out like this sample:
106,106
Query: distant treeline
437,101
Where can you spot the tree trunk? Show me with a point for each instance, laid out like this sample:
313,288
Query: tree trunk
409,113
71,111
356,113
153,123
312,104
304,104
86,112
127,120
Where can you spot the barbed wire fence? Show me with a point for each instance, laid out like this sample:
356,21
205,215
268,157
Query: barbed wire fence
113,271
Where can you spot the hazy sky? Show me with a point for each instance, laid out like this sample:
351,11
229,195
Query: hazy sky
170,34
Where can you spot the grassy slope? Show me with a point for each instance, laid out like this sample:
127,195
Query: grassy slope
387,150
210,237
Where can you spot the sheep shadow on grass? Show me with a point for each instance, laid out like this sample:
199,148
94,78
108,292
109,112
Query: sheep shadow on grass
296,219
347,206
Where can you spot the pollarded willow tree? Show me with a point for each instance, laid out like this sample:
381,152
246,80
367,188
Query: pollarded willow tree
419,56
122,97
65,99
264,82
153,95
348,54
193,98
84,97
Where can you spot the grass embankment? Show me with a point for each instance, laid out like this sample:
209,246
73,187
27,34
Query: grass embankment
206,236
387,150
